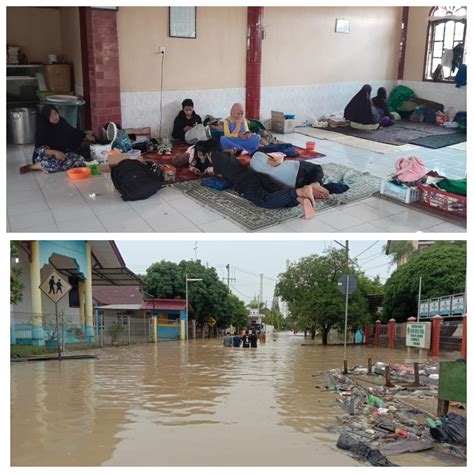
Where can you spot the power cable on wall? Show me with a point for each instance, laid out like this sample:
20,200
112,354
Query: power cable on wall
161,92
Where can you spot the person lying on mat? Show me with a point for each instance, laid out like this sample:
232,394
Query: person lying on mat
295,174
185,121
237,135
57,144
258,188
382,114
360,110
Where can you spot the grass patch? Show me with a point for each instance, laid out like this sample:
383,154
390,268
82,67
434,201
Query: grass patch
28,351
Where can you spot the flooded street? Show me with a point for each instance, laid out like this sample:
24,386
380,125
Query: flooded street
194,403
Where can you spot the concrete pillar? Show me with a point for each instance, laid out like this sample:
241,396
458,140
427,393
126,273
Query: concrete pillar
464,338
367,333
82,314
154,332
89,311
36,303
100,66
254,61
410,350
391,334
435,335
377,332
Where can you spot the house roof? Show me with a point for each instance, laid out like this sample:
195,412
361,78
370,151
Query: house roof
117,295
165,304
121,307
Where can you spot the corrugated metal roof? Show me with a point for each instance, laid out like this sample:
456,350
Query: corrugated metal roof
124,307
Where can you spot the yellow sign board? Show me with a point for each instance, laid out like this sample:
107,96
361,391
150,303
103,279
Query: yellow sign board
212,322
55,286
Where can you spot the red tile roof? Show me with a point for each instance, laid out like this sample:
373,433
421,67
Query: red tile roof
117,295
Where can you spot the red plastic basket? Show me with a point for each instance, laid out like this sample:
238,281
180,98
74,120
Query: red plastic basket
447,203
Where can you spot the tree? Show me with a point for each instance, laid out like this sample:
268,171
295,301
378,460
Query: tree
310,287
443,268
399,249
115,330
209,297
16,286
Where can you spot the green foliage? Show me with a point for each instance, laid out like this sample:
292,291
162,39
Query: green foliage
209,297
16,286
115,330
398,249
443,268
310,287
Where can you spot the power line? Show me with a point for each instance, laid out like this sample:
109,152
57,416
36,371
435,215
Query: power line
378,266
368,248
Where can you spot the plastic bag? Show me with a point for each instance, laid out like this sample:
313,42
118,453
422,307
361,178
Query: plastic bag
453,430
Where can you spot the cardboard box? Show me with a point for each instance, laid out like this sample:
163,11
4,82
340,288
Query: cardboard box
282,125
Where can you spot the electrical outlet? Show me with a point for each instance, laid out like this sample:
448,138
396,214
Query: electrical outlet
162,50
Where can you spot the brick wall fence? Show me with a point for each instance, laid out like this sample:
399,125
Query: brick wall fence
446,335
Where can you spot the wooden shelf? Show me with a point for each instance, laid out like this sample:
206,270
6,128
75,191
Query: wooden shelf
21,78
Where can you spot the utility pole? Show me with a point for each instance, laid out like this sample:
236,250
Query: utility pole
260,296
419,301
195,251
229,279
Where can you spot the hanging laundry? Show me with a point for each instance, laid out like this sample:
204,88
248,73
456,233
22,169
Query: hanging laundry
447,58
461,76
458,53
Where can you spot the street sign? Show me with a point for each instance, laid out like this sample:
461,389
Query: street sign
342,282
418,335
212,322
55,286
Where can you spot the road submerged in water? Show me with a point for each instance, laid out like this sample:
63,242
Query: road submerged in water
187,404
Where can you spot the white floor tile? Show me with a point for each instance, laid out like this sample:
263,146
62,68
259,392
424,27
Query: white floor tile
124,221
42,221
339,220
446,227
407,221
222,225
81,224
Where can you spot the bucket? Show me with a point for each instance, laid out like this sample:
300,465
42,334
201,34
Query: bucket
310,146
22,125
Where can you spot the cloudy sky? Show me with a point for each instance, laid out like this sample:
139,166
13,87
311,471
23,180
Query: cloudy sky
248,259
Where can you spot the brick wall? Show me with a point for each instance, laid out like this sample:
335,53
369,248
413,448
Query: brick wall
101,65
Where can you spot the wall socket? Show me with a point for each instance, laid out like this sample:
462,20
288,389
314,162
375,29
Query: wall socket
162,50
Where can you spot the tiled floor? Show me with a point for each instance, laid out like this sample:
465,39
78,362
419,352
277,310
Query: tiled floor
39,202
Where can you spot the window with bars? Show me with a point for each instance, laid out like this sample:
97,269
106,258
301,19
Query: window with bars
445,45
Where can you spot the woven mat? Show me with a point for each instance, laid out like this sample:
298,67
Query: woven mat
251,218
375,147
400,133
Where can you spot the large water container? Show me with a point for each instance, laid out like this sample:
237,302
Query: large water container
22,125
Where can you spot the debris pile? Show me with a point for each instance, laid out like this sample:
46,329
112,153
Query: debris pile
382,418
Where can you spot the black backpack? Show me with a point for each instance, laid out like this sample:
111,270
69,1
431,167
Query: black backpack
135,180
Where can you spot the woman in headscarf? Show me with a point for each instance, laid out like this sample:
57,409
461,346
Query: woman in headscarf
237,135
360,111
56,143
380,104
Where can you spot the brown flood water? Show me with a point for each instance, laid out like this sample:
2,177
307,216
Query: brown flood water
186,404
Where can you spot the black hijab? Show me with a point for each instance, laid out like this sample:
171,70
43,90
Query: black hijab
60,136
380,101
359,109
